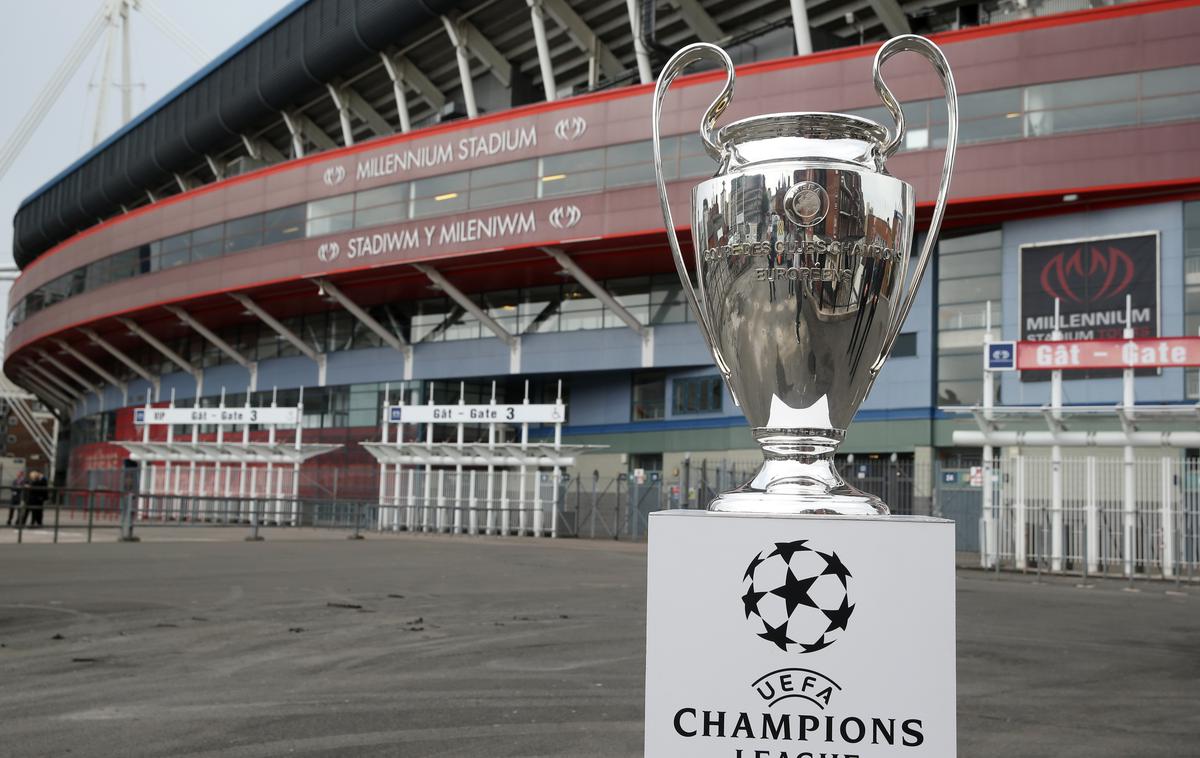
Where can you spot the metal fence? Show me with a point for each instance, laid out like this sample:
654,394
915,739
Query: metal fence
1133,519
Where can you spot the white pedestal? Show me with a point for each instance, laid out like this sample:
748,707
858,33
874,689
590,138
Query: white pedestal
800,637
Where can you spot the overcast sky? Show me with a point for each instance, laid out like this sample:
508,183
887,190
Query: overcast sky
37,36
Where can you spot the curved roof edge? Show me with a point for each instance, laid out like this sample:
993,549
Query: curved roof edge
159,104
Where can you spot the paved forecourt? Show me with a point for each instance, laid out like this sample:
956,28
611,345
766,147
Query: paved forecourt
439,646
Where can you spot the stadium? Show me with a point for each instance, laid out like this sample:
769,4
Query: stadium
361,204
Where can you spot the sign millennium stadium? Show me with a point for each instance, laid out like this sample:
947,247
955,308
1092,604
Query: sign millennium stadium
797,618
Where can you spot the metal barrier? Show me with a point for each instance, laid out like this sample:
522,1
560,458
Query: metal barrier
1137,519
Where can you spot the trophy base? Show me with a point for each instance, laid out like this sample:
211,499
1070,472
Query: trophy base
786,487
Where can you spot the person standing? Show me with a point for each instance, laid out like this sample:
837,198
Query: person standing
14,505
35,496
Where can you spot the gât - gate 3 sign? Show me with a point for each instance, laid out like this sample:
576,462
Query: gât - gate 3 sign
1090,279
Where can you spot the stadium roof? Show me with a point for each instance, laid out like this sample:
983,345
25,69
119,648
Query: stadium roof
320,74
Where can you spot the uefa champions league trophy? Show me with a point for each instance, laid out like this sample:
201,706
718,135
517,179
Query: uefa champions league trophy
802,245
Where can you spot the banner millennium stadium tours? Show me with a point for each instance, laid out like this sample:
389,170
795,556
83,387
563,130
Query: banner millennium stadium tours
1090,279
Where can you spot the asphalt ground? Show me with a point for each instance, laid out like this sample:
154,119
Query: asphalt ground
194,643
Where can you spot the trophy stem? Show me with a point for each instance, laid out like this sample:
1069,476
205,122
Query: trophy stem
798,476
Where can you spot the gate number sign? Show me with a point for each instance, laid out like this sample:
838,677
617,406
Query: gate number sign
547,413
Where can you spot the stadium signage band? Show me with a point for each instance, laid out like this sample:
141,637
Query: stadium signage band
1166,352
440,153
545,413
270,416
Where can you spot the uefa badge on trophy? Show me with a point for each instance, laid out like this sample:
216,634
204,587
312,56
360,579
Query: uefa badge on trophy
802,245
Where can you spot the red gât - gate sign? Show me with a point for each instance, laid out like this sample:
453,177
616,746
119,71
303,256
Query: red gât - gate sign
1155,352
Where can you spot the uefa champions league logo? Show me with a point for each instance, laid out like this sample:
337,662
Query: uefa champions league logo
797,597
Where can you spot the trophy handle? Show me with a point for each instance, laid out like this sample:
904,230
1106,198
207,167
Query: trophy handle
681,60
932,53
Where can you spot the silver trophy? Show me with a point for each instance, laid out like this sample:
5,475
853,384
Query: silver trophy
802,244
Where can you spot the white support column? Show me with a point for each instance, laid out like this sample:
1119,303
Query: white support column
403,72
1167,517
294,509
800,25
208,334
1056,458
505,520
244,509
168,465
1019,507
606,298
472,506
491,472
293,127
410,513
1128,401
343,108
168,353
469,305
639,46
522,515
389,337
557,474
538,17
600,57
311,353
397,76
458,40
220,503
197,507
698,19
989,551
458,469
125,359
1092,525
95,369
143,469
426,506
268,485
383,521
66,390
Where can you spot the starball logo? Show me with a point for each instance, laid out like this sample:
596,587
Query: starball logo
796,596
334,175
570,129
1087,274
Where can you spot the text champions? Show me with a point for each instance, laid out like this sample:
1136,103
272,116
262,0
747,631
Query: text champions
833,731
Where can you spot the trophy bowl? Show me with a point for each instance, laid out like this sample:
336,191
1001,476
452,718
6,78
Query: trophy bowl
802,247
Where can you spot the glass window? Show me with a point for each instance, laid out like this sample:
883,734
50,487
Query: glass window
206,242
649,396
572,173
428,319
667,303
693,160
905,345
697,395
539,309
629,164
503,184
980,105
283,224
243,233
439,195
971,289
381,214
579,310
389,195
329,215
1171,81
634,294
